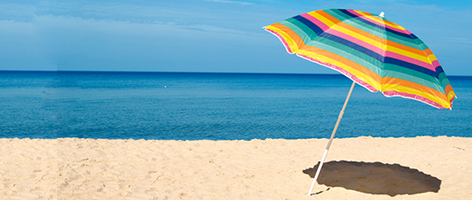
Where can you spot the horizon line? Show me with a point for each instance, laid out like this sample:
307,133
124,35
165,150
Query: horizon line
191,72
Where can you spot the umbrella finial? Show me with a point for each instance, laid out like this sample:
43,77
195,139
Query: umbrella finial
382,14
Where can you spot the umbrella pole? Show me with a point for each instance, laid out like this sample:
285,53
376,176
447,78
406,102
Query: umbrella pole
331,139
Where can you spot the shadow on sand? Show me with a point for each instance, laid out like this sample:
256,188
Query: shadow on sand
375,178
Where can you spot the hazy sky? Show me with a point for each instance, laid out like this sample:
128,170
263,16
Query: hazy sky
202,35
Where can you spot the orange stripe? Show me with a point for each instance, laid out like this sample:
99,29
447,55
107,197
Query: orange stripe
428,52
343,60
406,48
416,86
293,36
330,17
450,92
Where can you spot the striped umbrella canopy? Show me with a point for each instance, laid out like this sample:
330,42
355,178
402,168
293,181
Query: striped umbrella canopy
369,49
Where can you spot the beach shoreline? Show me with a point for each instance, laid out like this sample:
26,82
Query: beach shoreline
73,168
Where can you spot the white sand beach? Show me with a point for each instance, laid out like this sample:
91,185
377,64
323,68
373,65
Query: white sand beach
356,168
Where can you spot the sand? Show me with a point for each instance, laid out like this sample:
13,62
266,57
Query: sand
356,168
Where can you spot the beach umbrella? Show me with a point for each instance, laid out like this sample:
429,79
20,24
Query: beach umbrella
372,51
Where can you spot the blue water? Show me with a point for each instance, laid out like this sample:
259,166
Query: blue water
215,106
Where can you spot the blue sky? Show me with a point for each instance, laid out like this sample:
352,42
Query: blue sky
201,35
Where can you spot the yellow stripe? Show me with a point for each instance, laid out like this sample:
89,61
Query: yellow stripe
291,43
399,88
323,19
360,34
369,80
409,54
451,95
432,57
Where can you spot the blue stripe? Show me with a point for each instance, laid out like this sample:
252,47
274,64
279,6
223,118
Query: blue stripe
414,67
355,46
310,24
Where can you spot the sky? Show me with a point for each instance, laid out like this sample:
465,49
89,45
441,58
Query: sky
202,35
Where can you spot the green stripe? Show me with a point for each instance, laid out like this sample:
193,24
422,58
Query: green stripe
349,53
443,80
421,44
300,29
395,71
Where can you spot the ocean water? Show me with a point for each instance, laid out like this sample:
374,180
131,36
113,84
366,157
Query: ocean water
215,106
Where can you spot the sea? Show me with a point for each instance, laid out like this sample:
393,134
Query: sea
214,106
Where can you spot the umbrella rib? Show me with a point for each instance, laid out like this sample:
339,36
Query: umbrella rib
331,139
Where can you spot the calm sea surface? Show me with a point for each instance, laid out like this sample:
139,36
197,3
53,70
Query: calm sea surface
215,106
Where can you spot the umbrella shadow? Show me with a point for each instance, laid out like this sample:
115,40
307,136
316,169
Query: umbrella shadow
375,178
